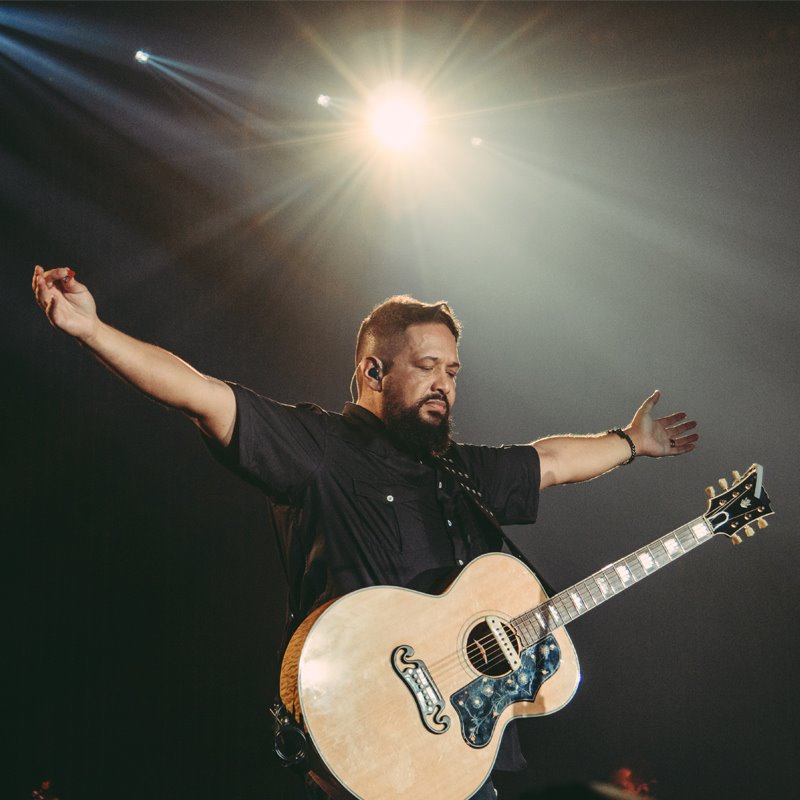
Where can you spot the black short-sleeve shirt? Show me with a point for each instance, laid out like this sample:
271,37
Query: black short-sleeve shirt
355,510
352,508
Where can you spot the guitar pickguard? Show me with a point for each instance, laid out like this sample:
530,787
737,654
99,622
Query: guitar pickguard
480,703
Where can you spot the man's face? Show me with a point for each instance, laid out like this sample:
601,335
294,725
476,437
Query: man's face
420,388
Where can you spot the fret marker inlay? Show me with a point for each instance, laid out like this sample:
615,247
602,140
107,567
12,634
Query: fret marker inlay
624,574
700,531
673,548
646,560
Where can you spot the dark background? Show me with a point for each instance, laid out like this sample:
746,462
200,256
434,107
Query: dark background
630,222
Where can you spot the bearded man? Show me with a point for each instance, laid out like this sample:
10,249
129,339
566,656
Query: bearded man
379,494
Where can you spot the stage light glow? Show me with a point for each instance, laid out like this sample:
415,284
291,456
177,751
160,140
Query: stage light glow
324,100
476,141
142,56
397,116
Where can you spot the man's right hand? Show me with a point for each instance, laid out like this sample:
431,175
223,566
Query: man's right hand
67,304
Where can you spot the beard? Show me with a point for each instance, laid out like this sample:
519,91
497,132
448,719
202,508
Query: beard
412,432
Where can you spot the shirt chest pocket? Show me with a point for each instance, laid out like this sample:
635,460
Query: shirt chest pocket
394,514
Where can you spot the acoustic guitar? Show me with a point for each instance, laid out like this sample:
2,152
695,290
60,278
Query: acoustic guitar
405,694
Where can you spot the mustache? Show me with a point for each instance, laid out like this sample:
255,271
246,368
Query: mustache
435,396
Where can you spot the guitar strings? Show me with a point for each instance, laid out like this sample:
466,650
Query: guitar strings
452,665
488,645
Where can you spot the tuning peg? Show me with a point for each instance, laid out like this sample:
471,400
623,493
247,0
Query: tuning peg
762,523
710,491
737,476
735,538
723,483
748,531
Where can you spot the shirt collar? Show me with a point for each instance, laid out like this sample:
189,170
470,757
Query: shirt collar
355,411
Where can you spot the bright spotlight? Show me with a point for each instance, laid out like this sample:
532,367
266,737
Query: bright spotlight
476,141
142,56
324,100
397,116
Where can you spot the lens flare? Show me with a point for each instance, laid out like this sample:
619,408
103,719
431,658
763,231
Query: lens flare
397,116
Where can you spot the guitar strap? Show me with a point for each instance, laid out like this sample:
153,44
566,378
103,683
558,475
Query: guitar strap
475,497
290,743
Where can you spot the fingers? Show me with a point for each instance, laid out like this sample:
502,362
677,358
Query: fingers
45,281
50,310
62,275
671,419
49,287
42,289
685,444
679,444
676,430
49,275
47,298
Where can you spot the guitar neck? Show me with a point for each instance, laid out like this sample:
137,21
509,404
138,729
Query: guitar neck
589,593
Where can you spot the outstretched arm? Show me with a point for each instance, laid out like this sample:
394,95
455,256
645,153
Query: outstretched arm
159,374
569,459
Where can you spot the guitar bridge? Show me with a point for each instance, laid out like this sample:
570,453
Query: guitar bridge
504,642
417,678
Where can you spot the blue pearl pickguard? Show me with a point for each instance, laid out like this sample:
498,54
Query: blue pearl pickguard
480,703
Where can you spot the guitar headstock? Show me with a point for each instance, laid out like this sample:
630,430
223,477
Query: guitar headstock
739,506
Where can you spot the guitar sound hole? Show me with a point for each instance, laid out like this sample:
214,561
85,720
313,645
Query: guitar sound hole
484,652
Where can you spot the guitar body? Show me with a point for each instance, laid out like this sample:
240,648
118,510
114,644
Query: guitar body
398,694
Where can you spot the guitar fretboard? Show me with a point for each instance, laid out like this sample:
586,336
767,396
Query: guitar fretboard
587,594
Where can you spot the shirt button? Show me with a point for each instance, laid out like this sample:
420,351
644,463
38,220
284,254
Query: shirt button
390,498
460,563
449,523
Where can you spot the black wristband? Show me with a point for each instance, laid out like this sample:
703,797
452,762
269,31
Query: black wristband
622,435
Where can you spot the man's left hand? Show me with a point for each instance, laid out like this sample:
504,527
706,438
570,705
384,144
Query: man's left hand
664,436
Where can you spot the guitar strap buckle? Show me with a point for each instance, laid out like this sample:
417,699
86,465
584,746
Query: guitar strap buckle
290,742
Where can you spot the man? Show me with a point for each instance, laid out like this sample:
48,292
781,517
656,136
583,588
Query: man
378,494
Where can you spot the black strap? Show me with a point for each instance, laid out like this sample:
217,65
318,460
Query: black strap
475,496
278,521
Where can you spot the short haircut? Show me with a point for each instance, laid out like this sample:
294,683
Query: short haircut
382,333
